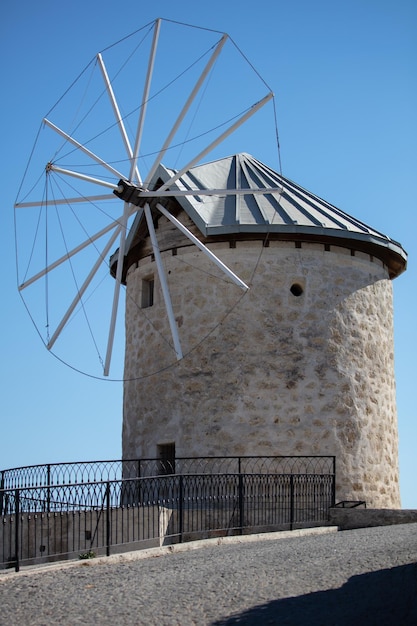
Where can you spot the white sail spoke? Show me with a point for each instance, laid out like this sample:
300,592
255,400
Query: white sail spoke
82,289
112,329
145,98
164,285
117,114
83,148
25,205
116,294
90,179
207,192
186,106
71,253
203,248
219,140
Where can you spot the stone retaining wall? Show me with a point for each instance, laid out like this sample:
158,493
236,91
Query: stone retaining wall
347,519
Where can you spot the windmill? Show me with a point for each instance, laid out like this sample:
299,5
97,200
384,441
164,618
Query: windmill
302,362
79,213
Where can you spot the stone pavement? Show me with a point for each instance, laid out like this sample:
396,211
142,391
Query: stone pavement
366,576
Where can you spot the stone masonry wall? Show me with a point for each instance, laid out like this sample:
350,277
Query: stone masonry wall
268,372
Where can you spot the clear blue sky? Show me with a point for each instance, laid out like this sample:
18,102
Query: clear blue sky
345,78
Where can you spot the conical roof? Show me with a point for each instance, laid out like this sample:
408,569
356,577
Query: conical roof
291,213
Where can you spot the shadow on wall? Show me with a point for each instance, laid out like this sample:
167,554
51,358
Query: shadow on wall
381,598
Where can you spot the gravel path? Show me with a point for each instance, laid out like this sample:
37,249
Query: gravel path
366,576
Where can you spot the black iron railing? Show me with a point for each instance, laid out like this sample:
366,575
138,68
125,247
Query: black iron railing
55,521
89,518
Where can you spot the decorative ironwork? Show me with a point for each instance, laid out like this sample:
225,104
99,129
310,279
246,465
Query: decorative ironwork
98,471
57,521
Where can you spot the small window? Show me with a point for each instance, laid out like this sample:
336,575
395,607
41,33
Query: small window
296,289
148,285
166,457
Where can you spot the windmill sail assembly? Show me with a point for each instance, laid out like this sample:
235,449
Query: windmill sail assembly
129,183
257,316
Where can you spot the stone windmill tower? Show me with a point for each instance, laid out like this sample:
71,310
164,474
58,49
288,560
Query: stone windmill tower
302,364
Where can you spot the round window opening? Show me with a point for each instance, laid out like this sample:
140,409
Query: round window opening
296,289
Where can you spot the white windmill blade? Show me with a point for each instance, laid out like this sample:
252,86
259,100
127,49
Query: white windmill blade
163,281
78,145
83,288
219,140
71,253
118,115
90,179
187,105
208,192
136,196
116,294
203,248
145,98
80,199
135,171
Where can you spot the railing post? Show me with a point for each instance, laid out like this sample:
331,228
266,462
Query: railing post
108,525
137,490
1,492
180,508
334,482
17,528
241,499
48,490
291,501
